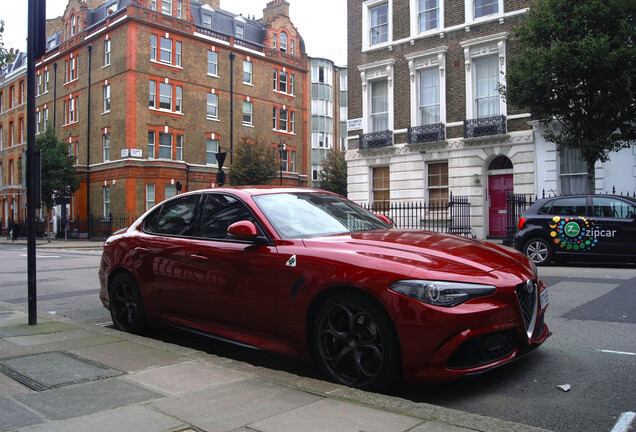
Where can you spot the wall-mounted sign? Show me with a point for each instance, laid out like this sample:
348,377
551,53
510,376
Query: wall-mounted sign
124,153
135,152
354,124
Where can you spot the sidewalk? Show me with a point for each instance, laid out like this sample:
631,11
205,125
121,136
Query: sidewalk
42,243
62,375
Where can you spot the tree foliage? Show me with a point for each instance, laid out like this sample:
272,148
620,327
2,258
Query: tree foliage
577,66
333,176
254,164
59,178
4,55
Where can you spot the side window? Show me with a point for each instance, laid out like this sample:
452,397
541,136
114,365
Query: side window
570,206
221,211
546,208
173,218
612,208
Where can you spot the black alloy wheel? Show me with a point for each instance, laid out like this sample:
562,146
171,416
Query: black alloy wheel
539,251
126,306
355,344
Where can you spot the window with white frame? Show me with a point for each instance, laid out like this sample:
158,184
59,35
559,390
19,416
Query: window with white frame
573,171
428,85
106,52
485,62
206,20
213,63
152,102
179,8
166,7
165,96
106,98
151,144
212,106
321,139
247,72
178,105
482,9
46,118
1,138
165,51
377,96
248,106
427,15
46,81
379,114
321,74
153,47
38,119
38,88
169,50
177,53
486,81
379,24
106,200
150,195
106,146
240,31
211,149
165,145
178,147
283,41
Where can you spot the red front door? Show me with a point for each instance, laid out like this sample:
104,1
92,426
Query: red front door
497,187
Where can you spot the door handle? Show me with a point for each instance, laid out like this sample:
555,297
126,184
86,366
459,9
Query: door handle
142,249
199,257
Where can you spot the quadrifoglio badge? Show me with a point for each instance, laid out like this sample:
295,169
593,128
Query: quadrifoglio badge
577,234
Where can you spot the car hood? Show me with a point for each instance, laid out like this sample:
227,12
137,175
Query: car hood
424,250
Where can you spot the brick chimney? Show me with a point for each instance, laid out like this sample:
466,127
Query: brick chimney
214,4
275,8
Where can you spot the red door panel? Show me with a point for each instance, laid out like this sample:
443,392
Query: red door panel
497,187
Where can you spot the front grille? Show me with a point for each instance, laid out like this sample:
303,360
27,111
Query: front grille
483,349
540,325
528,302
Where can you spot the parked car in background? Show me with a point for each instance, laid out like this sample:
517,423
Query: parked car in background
310,274
589,227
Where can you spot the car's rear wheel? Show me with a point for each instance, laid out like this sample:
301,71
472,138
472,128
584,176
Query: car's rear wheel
539,251
126,305
354,342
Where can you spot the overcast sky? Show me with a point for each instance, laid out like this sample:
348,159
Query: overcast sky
323,26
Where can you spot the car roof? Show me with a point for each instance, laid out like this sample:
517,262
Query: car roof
542,201
259,190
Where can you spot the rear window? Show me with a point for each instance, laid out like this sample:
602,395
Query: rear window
573,206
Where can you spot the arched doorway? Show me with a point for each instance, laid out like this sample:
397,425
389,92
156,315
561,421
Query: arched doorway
500,180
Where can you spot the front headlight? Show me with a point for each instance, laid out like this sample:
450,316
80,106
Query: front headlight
438,293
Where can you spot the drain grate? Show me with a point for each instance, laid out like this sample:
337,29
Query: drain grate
44,371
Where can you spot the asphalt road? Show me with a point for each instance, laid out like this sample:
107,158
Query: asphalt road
592,315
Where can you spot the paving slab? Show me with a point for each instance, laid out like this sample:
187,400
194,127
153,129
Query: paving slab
14,415
185,377
43,327
235,405
10,387
48,338
134,418
49,370
336,416
129,356
83,399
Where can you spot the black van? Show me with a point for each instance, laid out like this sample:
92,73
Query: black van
600,227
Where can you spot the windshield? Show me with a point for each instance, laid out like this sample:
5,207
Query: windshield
299,215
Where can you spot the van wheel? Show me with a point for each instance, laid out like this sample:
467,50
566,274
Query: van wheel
539,251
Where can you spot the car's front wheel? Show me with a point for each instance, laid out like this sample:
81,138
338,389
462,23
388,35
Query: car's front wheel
354,342
126,305
538,250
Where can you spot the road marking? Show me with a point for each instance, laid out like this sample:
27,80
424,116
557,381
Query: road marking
43,256
618,352
624,422
105,324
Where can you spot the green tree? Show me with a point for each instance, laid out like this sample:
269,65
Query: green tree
4,55
58,175
333,176
253,164
576,72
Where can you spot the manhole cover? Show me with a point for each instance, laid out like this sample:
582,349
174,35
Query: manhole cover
54,369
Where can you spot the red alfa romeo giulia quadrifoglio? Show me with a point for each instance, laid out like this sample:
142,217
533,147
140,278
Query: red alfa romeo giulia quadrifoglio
308,273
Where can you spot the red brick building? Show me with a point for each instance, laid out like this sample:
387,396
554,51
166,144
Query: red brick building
146,92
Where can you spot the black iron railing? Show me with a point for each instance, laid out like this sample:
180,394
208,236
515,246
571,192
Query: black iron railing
376,140
426,133
486,126
449,217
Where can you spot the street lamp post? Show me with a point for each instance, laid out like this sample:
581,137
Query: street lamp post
281,149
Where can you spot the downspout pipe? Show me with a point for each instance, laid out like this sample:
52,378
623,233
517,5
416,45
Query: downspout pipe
88,147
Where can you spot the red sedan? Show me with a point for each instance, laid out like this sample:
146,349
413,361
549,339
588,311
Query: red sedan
310,274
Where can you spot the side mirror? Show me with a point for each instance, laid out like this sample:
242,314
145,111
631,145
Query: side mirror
384,219
243,230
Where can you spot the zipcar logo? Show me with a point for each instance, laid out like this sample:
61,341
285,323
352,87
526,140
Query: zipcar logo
573,234
572,229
